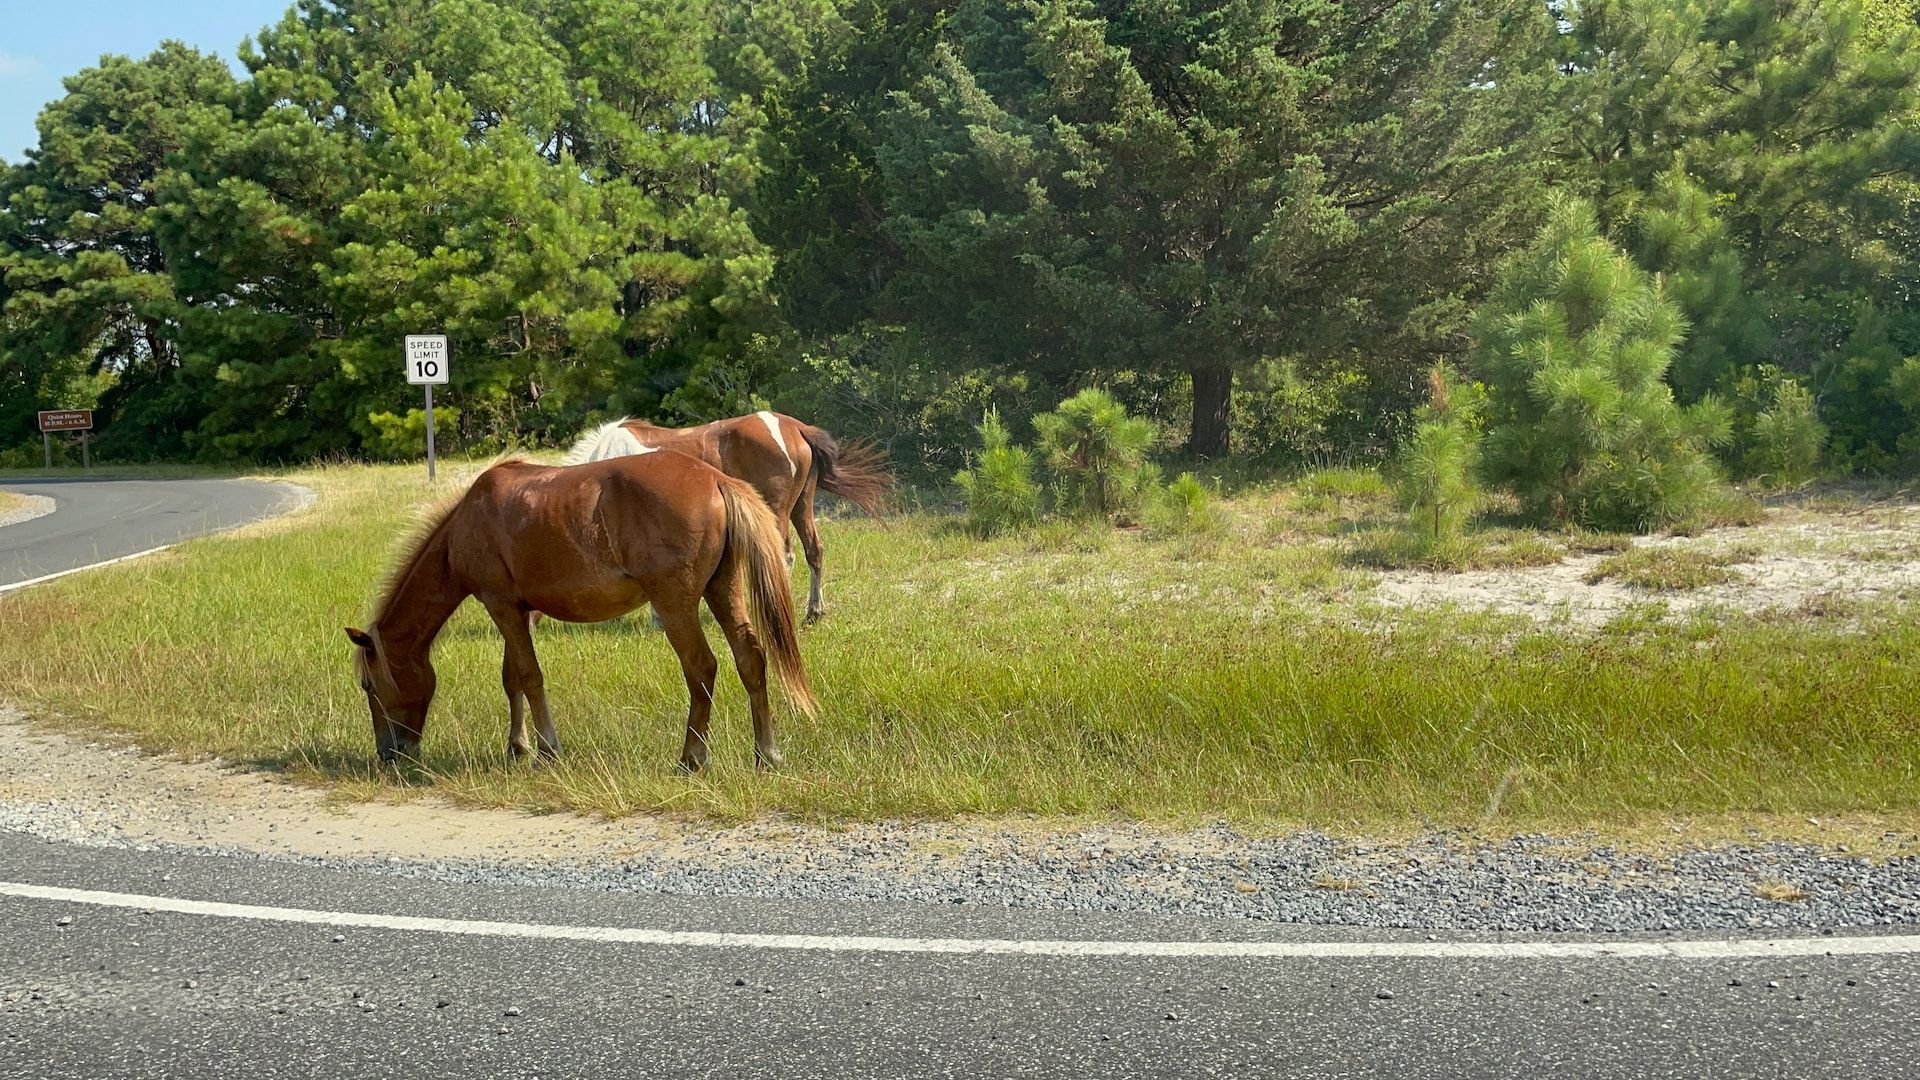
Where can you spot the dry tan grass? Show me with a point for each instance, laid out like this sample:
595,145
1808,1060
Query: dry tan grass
1785,892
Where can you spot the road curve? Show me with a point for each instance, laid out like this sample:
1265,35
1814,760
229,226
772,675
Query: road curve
97,520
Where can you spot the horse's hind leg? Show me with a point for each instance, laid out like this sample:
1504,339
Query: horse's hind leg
524,683
681,621
727,596
810,539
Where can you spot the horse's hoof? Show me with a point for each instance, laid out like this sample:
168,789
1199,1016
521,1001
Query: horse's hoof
768,760
813,617
689,766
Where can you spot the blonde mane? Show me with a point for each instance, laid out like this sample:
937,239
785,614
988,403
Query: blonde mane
609,440
428,520
427,523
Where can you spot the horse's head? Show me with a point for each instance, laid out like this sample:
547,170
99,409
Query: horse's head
398,690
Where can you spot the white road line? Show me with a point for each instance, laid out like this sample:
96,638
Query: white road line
1411,950
10,586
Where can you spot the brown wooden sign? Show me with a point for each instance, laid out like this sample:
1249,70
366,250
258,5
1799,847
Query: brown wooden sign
67,420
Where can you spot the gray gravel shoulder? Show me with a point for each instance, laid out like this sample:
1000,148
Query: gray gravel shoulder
65,789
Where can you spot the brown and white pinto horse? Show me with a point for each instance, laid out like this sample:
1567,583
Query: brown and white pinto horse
587,544
785,460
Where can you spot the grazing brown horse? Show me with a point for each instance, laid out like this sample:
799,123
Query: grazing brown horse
784,459
587,544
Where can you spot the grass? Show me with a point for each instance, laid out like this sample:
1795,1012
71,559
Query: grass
10,502
1673,569
1725,507
1402,548
1052,674
1783,892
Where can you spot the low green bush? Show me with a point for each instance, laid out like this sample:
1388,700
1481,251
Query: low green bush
1000,490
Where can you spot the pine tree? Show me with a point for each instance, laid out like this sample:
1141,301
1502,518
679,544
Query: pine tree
1000,490
1097,452
1434,474
1761,155
85,285
1575,343
1072,188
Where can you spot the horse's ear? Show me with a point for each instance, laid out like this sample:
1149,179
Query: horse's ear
360,637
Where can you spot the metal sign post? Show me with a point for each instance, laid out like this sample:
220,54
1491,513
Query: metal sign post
80,420
428,360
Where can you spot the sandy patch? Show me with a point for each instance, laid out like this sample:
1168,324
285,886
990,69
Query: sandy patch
1806,562
16,507
101,787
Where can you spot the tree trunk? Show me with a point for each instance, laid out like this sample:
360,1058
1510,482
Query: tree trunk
1212,409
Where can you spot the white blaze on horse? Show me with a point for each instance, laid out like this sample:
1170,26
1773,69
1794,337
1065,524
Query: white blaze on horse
588,544
785,460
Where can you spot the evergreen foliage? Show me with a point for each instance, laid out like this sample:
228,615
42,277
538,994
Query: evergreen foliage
1097,454
1184,508
1575,343
1434,474
1000,490
1787,437
1258,223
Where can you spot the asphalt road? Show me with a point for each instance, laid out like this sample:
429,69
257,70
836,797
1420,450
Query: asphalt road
122,992
97,520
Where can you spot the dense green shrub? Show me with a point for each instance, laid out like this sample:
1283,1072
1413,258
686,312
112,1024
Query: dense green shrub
1870,395
1292,414
1575,342
1097,454
1001,492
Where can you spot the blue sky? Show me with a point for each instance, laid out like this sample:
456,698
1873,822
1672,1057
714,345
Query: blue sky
43,40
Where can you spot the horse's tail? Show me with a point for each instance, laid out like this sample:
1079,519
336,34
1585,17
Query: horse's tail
754,537
857,472
609,440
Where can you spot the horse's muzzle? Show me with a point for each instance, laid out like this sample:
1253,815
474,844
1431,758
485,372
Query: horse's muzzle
396,748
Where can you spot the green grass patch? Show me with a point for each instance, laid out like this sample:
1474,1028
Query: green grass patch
1130,678
1344,485
1401,548
1725,508
1673,569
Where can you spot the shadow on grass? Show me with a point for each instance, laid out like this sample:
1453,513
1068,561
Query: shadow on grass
334,763
325,761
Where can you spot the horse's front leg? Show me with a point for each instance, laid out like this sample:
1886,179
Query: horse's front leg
519,676
519,745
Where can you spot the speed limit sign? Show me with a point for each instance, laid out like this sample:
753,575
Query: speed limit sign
427,359
427,363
